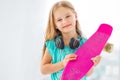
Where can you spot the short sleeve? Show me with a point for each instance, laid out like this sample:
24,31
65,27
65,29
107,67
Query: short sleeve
50,45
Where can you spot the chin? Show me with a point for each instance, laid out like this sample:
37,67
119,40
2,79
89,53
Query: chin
66,31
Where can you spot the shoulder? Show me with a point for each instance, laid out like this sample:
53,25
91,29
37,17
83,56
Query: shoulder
50,43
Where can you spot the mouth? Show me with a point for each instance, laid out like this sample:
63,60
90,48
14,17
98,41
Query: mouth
66,26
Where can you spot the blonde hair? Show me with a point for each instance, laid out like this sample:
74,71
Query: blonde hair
51,31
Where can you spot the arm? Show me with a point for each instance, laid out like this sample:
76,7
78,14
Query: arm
47,67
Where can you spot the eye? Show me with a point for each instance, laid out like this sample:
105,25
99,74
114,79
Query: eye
68,16
59,20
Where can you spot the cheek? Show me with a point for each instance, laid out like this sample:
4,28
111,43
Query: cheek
58,26
73,21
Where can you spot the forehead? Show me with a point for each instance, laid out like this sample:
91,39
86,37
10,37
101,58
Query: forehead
61,11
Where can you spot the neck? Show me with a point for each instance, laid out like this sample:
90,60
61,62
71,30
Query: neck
67,36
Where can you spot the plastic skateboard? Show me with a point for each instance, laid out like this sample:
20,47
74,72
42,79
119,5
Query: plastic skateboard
75,70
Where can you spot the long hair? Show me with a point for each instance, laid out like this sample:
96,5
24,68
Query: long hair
51,31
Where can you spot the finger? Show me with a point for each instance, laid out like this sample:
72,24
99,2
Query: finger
96,61
70,59
71,56
97,57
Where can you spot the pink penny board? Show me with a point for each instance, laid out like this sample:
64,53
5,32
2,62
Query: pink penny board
75,70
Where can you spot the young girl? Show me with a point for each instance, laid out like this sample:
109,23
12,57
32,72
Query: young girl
63,38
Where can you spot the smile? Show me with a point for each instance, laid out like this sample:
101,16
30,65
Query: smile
66,26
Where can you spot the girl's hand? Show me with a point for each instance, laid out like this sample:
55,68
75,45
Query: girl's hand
96,60
68,58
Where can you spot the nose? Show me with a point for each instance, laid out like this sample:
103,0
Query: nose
64,21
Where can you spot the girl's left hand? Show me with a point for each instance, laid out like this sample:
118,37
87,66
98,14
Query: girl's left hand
96,60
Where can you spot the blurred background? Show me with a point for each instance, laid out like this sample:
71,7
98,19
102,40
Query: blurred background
22,30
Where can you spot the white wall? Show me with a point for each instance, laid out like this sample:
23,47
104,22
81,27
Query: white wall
21,38
22,28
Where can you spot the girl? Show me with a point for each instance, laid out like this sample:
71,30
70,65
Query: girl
62,39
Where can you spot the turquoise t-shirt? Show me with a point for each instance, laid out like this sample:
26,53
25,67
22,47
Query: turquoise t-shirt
59,54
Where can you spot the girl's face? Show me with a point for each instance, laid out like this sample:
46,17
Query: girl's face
65,19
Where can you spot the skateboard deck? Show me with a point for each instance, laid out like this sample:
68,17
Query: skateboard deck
75,70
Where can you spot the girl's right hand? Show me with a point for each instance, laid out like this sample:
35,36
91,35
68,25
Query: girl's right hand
68,58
